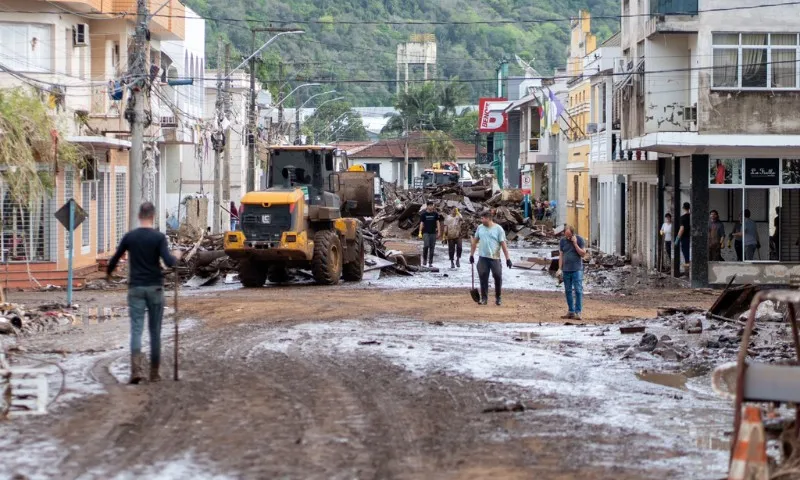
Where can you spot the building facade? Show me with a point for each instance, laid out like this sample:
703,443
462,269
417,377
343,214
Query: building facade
80,61
582,42
715,94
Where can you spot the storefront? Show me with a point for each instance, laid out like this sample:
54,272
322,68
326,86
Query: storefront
758,203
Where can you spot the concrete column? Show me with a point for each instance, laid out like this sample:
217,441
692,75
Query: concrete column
662,170
700,211
676,215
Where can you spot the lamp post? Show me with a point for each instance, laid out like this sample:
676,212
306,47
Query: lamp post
297,114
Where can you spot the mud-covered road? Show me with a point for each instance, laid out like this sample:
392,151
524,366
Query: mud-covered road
326,383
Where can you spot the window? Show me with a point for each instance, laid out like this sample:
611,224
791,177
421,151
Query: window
758,202
534,128
755,60
373,167
26,47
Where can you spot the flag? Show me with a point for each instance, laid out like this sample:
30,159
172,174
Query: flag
543,118
558,107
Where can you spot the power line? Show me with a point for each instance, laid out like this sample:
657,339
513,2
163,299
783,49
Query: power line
102,16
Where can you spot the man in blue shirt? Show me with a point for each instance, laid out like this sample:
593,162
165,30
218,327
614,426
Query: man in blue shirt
145,247
570,266
489,239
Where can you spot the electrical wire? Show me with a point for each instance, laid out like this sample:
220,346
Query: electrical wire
418,22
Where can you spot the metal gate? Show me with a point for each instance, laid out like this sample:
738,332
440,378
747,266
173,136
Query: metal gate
27,231
120,191
102,209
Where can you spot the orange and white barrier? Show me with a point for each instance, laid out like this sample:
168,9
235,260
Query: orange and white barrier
750,456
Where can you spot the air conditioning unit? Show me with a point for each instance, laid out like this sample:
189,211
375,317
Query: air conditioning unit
80,35
591,128
169,122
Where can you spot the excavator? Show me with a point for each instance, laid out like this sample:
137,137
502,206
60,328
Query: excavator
307,218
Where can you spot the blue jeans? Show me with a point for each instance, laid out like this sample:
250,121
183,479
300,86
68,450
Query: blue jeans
149,298
573,281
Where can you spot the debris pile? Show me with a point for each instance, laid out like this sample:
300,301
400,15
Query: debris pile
16,320
204,259
400,216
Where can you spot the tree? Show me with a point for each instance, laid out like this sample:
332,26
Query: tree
335,121
464,126
439,147
417,109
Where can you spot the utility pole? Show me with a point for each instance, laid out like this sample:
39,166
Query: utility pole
405,157
134,113
226,165
280,99
297,124
251,124
216,140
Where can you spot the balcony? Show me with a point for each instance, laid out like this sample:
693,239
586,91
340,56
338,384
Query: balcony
86,6
673,7
169,22
599,147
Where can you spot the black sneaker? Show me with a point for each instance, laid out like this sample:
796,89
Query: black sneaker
498,302
452,265
483,301
458,263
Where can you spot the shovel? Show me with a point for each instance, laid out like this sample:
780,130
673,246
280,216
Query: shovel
476,295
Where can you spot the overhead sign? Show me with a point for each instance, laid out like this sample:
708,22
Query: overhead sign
527,183
491,121
62,215
762,171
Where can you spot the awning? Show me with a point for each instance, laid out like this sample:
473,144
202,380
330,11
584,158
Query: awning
98,141
522,101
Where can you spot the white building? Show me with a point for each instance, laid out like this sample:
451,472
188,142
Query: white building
716,95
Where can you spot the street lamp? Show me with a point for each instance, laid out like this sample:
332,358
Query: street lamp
251,137
261,48
297,114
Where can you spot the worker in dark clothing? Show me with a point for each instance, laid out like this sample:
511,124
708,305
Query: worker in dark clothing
145,246
429,228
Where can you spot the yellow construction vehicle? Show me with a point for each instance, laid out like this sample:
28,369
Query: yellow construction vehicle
304,219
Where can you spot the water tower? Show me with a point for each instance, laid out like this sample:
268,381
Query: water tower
418,52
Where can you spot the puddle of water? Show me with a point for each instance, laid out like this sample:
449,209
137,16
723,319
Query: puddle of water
672,380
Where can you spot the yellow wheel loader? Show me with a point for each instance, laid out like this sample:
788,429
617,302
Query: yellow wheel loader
304,219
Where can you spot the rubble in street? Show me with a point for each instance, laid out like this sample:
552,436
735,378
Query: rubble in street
18,320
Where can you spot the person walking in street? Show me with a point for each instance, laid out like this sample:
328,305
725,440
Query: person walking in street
666,234
429,229
145,246
488,240
749,236
716,237
570,268
452,235
685,231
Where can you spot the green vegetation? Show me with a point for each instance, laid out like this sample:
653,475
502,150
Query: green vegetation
334,121
341,47
27,145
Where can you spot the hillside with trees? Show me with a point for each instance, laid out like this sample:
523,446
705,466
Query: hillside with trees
352,43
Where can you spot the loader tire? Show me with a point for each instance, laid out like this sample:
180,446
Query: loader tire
252,274
354,271
278,274
326,266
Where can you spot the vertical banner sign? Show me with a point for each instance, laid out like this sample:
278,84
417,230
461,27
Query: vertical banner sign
527,183
489,121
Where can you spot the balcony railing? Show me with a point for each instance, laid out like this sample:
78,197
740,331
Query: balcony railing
673,7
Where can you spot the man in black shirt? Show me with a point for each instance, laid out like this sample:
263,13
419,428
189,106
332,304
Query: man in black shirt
684,234
145,246
429,223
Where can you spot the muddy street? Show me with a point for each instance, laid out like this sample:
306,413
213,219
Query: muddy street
369,383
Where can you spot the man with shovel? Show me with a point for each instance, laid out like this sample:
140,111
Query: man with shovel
489,239
145,246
